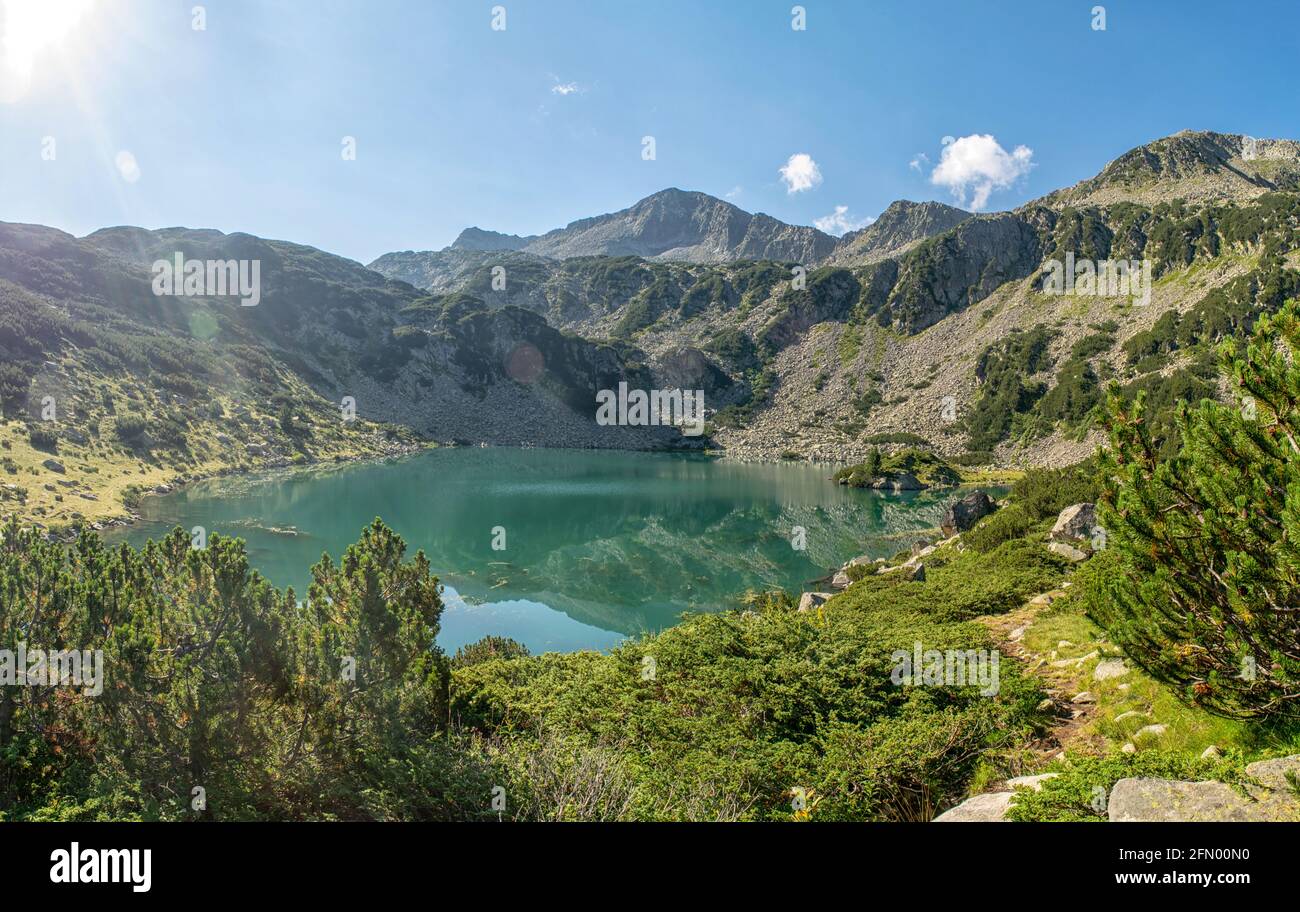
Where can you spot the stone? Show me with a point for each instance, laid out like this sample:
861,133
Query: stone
1046,705
917,574
810,600
1129,748
54,466
964,513
1211,753
1167,800
1132,714
1084,697
840,580
1075,522
906,481
1272,773
1034,783
1069,552
1109,668
987,808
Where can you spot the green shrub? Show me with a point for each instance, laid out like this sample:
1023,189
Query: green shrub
1044,493
1007,524
1206,561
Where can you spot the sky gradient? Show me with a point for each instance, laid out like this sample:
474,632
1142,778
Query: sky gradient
240,126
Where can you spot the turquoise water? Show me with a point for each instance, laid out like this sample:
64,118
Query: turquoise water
598,545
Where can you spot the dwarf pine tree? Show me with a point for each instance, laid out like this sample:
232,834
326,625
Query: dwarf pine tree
1202,582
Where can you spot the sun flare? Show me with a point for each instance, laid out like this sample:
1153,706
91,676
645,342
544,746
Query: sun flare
29,28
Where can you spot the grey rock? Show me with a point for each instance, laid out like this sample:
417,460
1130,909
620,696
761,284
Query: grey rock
964,513
1161,800
1109,668
1272,773
1034,783
917,574
906,481
1069,552
991,806
810,600
1150,731
1075,522
54,466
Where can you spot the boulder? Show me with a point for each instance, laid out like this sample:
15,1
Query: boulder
963,514
810,600
1162,800
1069,552
840,580
1075,522
54,466
1109,668
906,481
1272,773
987,808
916,574
1031,782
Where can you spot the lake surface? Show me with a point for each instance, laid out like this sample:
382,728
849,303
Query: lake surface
599,546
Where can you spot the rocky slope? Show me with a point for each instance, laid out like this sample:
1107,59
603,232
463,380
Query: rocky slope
887,334
947,340
900,227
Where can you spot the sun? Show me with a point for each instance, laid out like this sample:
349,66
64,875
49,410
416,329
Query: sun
28,28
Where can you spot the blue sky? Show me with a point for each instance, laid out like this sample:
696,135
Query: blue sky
239,126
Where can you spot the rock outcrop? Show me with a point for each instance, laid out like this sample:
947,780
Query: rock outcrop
965,513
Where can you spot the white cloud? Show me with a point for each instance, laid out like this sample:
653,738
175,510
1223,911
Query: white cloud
919,161
800,173
127,166
734,192
840,222
563,88
976,165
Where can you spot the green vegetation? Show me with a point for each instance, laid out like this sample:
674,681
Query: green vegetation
928,468
1204,551
744,707
334,707
1002,370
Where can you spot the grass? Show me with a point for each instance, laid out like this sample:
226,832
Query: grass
103,476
